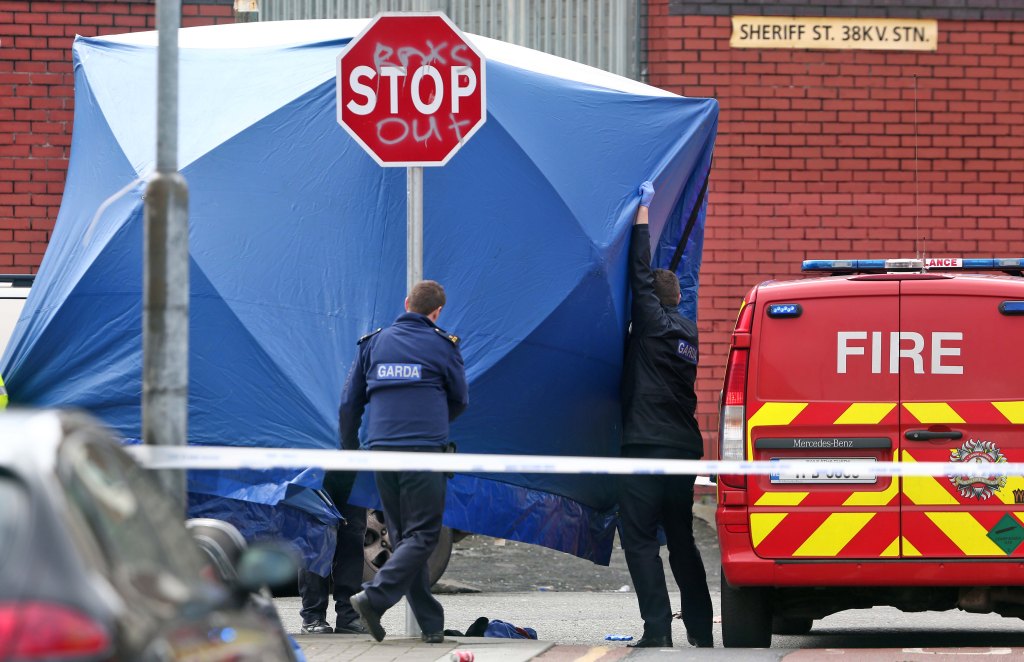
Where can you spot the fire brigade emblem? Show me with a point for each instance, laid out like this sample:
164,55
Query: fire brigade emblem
979,486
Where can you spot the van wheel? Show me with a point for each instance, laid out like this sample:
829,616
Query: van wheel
783,625
746,617
377,548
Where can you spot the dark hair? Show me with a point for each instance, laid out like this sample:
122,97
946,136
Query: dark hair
666,286
426,297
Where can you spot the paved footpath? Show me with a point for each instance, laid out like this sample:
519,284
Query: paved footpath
338,648
344,648
579,621
572,626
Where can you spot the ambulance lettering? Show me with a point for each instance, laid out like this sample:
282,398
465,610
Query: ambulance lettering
901,346
940,262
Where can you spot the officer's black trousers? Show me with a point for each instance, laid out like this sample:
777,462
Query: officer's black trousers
413,507
346,571
644,503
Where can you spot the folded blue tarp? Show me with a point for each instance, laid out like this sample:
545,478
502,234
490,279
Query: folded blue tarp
297,247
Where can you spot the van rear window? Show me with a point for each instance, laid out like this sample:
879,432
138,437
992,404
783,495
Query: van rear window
835,350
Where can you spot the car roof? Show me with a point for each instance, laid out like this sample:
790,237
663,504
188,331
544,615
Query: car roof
29,440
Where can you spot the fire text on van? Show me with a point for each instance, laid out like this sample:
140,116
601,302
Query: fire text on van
934,354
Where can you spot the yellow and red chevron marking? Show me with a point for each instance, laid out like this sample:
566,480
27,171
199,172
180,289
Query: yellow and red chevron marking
882,494
940,491
957,533
824,414
936,521
978,413
940,522
822,534
884,413
819,414
849,524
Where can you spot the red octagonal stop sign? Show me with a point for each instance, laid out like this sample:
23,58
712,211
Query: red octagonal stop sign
411,89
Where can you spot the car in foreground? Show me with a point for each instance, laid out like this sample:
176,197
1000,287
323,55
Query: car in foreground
95,564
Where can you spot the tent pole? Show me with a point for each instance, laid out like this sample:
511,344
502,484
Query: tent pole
165,272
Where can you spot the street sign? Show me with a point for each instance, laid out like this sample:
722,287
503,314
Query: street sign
411,89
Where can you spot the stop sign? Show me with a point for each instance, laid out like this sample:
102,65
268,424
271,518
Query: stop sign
411,89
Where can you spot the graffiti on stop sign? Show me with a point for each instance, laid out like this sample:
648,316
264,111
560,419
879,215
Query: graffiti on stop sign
425,90
411,89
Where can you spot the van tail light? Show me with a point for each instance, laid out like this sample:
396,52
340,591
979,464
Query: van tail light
732,434
45,631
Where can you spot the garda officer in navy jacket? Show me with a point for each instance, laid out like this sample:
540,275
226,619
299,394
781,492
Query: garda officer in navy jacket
412,377
659,402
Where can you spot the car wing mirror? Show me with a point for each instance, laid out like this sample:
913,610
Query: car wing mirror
270,564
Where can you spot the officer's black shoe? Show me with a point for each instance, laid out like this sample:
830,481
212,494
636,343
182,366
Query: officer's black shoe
653,642
369,618
353,627
700,643
432,637
316,627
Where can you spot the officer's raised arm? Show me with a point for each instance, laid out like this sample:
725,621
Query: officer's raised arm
646,305
646,193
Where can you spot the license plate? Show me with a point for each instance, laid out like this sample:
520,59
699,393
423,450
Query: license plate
829,475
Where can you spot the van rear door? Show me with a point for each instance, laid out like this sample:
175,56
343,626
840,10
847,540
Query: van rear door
817,390
961,396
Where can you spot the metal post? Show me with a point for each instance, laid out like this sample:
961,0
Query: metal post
165,279
412,626
414,274
414,203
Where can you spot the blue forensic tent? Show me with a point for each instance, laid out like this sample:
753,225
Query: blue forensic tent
298,248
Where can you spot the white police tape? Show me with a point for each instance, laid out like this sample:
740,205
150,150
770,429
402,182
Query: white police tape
797,469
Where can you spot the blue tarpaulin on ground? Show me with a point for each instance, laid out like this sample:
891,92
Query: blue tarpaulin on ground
298,248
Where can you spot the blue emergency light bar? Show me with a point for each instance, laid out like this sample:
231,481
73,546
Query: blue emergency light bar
1012,307
1007,264
784,310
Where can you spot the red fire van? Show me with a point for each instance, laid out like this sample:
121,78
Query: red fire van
880,360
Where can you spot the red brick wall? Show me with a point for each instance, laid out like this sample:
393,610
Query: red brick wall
37,106
815,155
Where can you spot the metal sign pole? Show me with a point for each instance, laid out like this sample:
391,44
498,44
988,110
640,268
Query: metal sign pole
414,274
165,273
414,203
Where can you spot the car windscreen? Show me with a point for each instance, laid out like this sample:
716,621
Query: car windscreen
132,519
14,518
